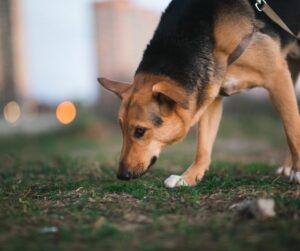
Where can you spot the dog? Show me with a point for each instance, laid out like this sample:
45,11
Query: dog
202,51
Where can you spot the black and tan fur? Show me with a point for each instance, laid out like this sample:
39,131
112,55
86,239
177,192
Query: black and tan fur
184,68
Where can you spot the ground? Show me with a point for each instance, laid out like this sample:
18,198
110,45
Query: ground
59,192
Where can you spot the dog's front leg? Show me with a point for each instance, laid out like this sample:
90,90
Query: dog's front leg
284,99
207,131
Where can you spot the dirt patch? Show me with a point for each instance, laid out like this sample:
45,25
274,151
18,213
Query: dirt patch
126,212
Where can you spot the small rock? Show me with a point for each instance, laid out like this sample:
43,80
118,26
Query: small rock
256,208
48,230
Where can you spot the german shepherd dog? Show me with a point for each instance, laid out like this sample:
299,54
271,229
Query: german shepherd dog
193,60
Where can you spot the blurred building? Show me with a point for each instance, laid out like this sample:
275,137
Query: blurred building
12,85
123,32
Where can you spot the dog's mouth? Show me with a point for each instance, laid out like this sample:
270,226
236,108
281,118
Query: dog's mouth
152,162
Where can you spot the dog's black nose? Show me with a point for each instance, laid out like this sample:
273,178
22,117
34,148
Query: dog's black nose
123,173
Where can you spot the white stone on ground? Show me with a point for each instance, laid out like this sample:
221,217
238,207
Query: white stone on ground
258,208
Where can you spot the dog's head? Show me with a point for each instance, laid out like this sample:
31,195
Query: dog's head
154,113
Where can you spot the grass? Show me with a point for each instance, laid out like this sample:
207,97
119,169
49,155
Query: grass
66,182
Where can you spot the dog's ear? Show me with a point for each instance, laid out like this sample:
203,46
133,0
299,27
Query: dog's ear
116,87
171,93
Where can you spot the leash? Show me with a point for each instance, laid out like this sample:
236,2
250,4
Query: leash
263,6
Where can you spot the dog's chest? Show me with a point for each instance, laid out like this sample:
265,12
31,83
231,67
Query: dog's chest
232,85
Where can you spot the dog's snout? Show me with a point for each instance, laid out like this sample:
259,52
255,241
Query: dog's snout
123,173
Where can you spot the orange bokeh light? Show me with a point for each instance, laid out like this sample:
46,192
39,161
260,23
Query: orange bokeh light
12,112
66,112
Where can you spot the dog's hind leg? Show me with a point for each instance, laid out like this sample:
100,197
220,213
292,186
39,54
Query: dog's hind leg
283,95
207,132
294,66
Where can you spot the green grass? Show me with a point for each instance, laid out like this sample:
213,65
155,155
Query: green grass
67,181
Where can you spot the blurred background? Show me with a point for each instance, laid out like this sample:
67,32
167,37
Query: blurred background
60,143
51,53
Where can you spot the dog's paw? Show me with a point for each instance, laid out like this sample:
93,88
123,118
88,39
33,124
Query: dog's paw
295,177
285,171
175,181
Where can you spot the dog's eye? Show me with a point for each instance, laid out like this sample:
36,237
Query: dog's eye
139,132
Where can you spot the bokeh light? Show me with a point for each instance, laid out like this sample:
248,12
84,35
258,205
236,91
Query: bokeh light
66,112
12,112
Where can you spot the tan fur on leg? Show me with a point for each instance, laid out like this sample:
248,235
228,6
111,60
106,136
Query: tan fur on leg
294,66
284,99
207,131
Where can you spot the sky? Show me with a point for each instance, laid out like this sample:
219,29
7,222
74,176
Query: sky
158,5
59,48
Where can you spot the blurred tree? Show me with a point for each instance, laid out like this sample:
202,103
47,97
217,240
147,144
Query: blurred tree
123,31
7,77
